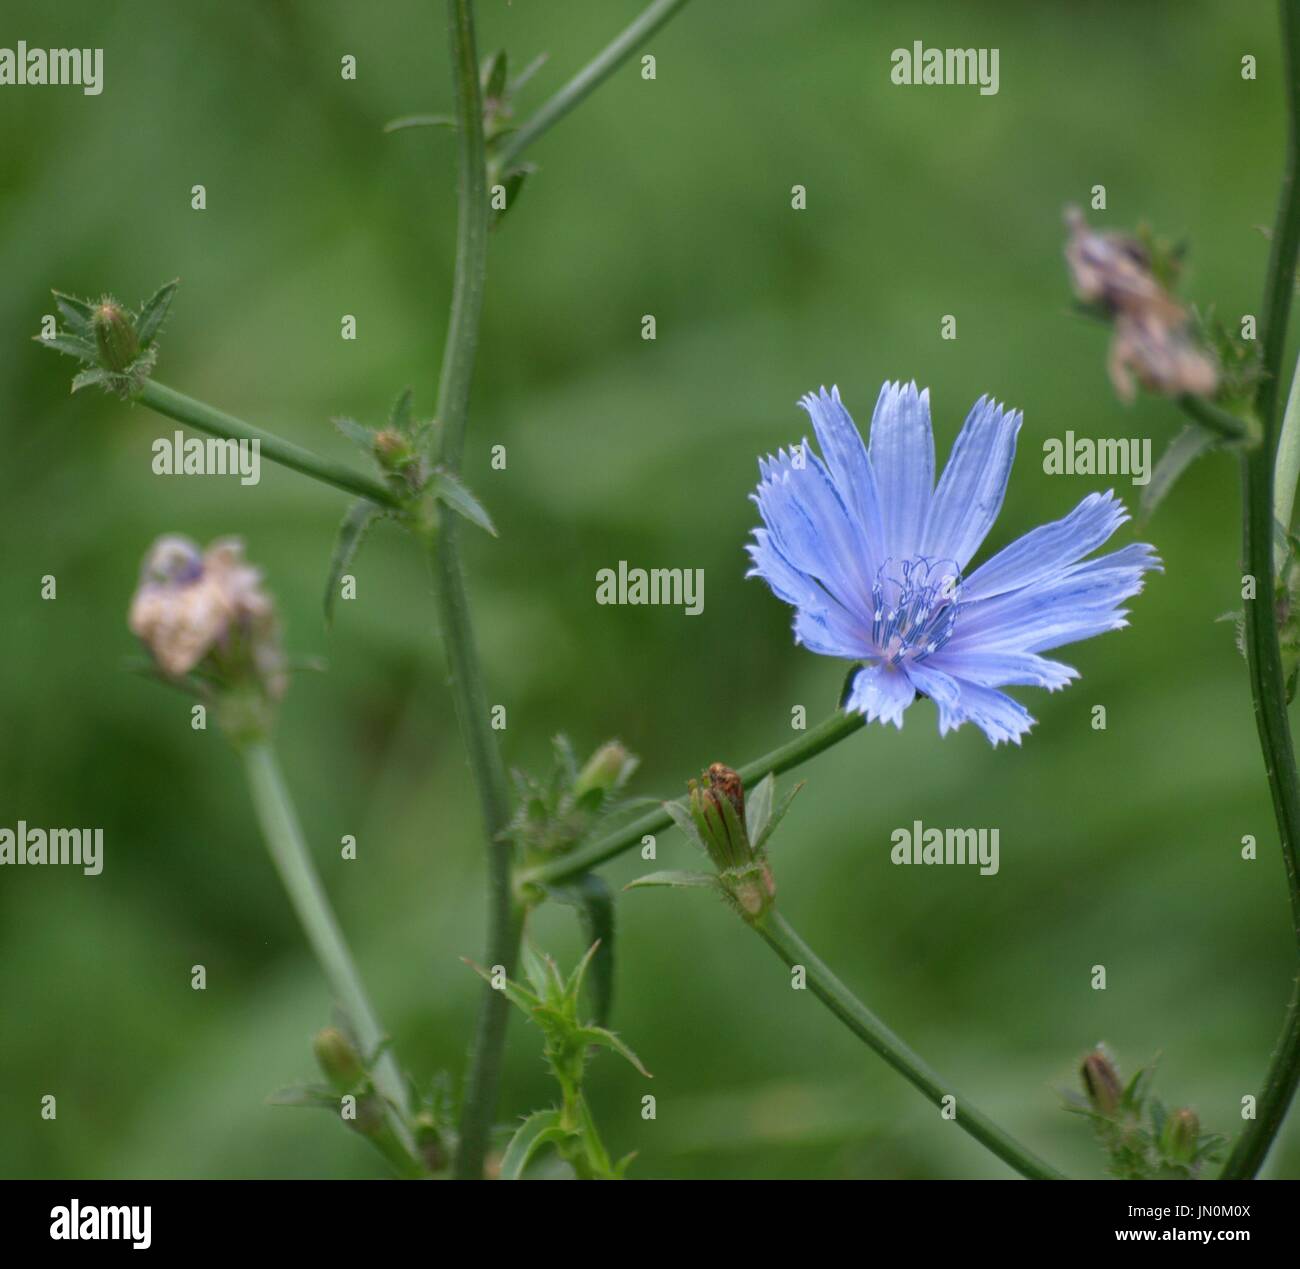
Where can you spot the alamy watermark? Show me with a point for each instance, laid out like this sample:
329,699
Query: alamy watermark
181,455
79,847
921,65
80,66
921,845
1110,456
682,587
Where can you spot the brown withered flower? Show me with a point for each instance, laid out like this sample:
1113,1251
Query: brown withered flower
1151,342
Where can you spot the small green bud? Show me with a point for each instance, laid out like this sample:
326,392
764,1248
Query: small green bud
606,769
337,1058
1102,1083
392,449
428,1138
115,335
718,808
371,1120
1180,1136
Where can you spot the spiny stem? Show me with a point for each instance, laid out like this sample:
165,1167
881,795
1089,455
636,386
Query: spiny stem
467,686
587,80
292,859
1264,658
787,944
838,726
206,418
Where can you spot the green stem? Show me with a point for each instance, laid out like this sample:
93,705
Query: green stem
838,726
1216,420
1264,658
467,685
787,944
587,80
195,414
292,859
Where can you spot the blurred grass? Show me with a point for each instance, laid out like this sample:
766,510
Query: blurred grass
1118,847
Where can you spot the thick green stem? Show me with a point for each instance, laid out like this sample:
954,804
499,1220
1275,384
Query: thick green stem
787,944
292,859
587,80
1267,685
822,737
195,414
466,674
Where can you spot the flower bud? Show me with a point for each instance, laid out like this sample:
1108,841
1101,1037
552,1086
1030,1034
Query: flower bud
607,769
115,335
1102,1082
392,449
717,805
429,1141
337,1058
1180,1136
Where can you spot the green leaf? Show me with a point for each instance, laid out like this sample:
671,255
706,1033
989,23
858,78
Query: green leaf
594,900
77,313
758,806
400,418
154,311
447,489
608,1040
540,1128
356,432
775,819
90,377
315,1095
528,72
419,121
351,531
534,968
513,182
494,75
514,993
1183,451
673,877
70,345
686,822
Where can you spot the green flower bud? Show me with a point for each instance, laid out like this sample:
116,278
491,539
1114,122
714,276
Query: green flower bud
607,769
717,804
115,335
338,1059
1180,1136
1102,1083
428,1138
392,449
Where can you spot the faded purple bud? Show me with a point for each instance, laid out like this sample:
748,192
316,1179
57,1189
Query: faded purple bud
193,608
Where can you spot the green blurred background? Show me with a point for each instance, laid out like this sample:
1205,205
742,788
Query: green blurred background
669,197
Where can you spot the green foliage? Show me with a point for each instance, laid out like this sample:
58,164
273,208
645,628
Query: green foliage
554,1003
118,347
1143,1140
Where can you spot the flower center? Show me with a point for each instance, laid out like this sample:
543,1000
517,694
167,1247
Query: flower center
914,606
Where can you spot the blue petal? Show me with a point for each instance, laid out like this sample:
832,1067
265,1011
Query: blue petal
1075,603
1048,549
1002,669
811,527
850,469
902,458
994,713
881,693
970,494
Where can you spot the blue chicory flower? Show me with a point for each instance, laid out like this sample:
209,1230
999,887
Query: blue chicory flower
872,557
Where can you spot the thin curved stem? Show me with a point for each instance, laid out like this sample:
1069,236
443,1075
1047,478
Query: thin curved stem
836,728
1216,420
587,80
466,674
206,418
1267,682
284,840
787,944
